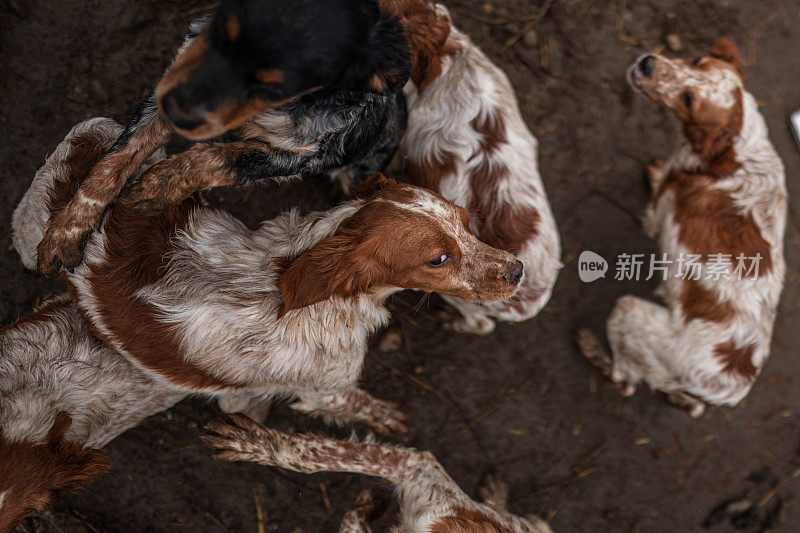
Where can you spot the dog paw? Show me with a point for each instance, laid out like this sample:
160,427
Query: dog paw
385,417
494,492
655,172
61,249
237,439
371,504
475,325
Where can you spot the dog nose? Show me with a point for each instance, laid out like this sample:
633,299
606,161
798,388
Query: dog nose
184,117
646,65
514,274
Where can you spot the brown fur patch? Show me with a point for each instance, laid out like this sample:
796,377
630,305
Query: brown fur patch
429,174
41,314
699,302
724,49
136,249
500,224
711,132
33,473
269,75
85,151
492,129
428,34
736,360
468,521
233,28
709,221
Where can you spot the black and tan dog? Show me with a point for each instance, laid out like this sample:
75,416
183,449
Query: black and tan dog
271,89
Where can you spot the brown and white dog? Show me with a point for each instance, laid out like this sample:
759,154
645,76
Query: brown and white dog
721,192
466,139
195,298
430,501
63,395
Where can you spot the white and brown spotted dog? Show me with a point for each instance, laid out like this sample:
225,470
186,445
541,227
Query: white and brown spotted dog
194,298
721,192
466,139
63,395
430,501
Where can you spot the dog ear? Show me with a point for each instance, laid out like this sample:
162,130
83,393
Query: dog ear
715,143
333,267
372,185
724,49
383,63
74,465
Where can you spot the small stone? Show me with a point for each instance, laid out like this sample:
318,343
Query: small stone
674,42
391,341
487,8
530,38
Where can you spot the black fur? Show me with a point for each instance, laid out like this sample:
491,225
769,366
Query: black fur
336,44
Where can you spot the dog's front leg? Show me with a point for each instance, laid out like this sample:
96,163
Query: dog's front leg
71,227
206,166
354,405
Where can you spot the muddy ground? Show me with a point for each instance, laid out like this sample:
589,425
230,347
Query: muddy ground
522,401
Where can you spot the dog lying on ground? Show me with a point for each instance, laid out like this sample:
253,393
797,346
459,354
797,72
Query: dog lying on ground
196,299
430,500
310,86
466,139
721,198
63,395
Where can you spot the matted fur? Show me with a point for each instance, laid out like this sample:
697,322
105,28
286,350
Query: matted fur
430,501
467,140
195,298
721,191
63,395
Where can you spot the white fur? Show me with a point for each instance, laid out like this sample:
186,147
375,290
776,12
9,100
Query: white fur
439,122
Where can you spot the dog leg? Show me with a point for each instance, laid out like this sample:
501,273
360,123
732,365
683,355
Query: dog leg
241,439
473,323
205,166
655,174
368,506
244,402
688,403
71,227
494,491
354,405
592,349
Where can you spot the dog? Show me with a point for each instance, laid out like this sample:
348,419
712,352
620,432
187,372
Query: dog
430,501
271,90
63,396
466,139
194,298
721,195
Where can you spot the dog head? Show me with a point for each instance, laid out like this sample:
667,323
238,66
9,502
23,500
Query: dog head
401,237
704,93
258,54
32,474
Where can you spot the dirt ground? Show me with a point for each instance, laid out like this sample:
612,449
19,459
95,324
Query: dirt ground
522,401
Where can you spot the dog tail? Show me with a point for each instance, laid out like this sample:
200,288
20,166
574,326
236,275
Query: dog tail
58,180
591,348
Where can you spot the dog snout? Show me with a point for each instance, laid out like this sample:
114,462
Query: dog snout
646,65
184,116
514,274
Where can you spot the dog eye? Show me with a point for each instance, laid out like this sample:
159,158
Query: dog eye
696,61
687,100
439,261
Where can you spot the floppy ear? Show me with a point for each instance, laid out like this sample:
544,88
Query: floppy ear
74,465
715,144
383,63
724,49
372,185
334,266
